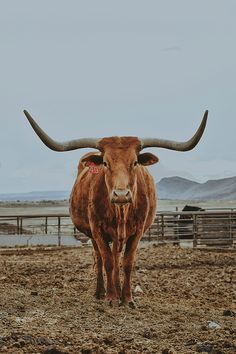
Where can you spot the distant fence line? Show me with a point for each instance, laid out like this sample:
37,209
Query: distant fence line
201,228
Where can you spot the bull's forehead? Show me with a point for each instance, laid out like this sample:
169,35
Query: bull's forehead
115,143
119,151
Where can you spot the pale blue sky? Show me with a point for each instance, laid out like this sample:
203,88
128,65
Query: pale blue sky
102,68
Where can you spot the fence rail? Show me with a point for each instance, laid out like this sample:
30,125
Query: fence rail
202,228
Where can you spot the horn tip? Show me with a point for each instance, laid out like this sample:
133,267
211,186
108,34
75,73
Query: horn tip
204,119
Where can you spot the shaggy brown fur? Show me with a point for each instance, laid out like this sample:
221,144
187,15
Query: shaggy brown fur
119,166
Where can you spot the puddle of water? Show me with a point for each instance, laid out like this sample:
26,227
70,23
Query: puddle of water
53,240
36,240
182,243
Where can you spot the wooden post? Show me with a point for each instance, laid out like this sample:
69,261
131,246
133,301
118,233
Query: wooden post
21,225
194,230
149,234
176,241
18,225
231,229
157,222
59,231
46,225
162,227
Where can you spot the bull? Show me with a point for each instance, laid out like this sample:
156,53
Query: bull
113,200
185,223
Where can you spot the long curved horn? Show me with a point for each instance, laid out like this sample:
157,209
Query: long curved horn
61,146
175,145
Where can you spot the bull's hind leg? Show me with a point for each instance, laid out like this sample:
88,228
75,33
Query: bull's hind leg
100,289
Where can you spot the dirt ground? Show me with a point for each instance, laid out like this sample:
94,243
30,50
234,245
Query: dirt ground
47,304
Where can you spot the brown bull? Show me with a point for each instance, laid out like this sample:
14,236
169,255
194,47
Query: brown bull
114,200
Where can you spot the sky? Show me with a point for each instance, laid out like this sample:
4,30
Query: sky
104,68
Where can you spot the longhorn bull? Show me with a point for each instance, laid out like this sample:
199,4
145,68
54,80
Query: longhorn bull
114,200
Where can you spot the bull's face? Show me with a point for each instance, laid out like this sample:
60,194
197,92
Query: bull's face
120,161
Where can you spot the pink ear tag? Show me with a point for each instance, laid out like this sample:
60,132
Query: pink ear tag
93,168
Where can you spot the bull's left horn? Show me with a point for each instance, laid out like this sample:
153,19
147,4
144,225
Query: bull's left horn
175,145
61,146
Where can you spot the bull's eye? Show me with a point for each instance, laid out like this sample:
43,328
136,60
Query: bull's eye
135,163
104,163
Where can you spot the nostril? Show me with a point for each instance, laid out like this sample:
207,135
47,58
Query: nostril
121,194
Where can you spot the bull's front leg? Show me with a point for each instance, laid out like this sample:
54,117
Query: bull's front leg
108,263
128,264
116,271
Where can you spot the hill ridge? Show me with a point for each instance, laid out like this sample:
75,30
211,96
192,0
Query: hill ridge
182,188
173,188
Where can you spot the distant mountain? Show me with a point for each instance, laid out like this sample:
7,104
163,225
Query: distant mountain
181,188
168,188
35,196
174,187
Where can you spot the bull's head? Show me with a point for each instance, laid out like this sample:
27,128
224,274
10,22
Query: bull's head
120,158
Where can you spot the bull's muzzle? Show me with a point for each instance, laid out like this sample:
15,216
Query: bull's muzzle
121,196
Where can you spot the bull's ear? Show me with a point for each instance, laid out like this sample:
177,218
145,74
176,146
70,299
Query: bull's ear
147,159
96,159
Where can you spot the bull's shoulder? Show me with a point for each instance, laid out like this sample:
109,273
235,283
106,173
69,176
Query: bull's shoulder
145,178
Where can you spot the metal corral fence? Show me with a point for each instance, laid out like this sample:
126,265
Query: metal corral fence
39,224
196,229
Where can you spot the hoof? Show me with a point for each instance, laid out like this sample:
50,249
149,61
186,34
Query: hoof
100,295
113,303
112,300
130,304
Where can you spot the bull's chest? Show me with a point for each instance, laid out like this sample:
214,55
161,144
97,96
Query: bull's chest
116,222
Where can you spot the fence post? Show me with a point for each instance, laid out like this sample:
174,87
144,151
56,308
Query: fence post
21,225
59,231
162,227
149,234
231,229
194,230
18,225
176,241
46,225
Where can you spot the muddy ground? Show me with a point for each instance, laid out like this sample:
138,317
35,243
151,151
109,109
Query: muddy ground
47,304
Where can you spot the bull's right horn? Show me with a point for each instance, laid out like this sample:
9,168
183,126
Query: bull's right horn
177,145
61,146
